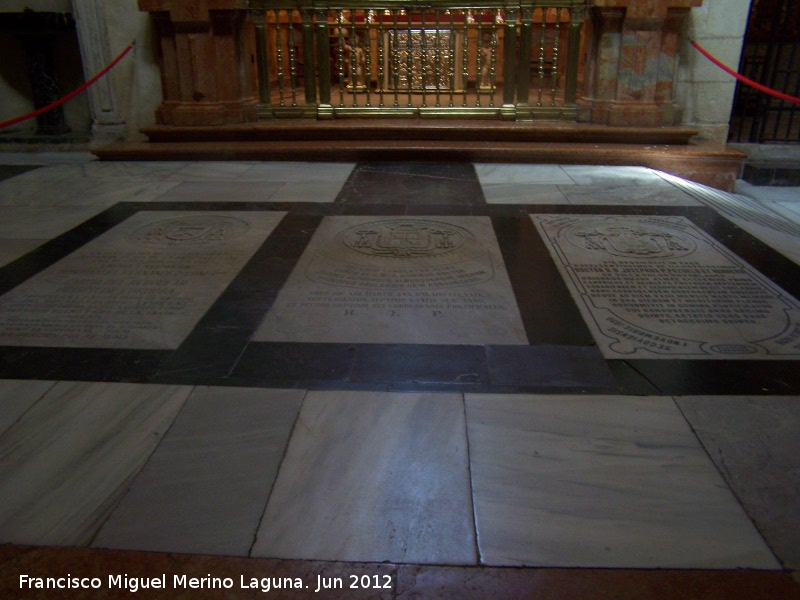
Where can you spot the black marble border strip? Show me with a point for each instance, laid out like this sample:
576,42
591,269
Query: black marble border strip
423,367
213,347
80,364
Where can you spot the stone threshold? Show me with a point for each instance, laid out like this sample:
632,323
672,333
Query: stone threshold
421,129
714,165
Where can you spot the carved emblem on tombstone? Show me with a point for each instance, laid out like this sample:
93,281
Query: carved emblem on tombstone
190,230
404,238
632,240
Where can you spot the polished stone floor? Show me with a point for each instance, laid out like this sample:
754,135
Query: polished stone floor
424,379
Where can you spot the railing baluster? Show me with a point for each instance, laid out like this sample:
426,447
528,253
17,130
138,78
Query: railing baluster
479,59
573,54
368,55
292,57
451,67
323,57
525,43
493,59
465,58
424,51
340,51
262,64
554,70
381,58
437,57
395,50
309,81
542,44
510,57
409,58
279,55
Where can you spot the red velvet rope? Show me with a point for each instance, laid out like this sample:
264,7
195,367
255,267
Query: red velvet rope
744,79
71,95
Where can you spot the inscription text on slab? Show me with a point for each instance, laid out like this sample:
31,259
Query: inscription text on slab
659,287
398,280
142,285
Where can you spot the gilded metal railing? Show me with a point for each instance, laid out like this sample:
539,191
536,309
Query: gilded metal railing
490,60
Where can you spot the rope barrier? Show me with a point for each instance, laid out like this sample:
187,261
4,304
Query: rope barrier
72,94
745,80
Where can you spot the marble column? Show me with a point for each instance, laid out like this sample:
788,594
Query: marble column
632,61
207,56
108,124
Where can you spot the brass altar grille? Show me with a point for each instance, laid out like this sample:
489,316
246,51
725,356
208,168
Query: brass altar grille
501,61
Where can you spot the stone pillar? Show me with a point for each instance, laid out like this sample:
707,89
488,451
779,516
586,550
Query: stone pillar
108,125
207,61
632,62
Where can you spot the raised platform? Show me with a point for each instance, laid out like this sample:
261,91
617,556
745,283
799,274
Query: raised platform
664,148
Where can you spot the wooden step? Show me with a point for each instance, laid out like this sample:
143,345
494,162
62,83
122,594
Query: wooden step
421,129
714,165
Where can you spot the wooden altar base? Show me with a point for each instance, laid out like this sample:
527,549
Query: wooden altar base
667,149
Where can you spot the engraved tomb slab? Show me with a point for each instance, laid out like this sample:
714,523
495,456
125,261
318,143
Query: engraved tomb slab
143,284
659,287
438,280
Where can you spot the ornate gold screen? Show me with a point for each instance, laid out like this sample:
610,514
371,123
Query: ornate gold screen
424,56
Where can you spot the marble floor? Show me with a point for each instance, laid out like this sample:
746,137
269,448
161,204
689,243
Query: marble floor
395,380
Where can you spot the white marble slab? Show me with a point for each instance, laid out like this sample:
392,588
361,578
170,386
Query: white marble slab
754,442
491,173
144,170
298,172
309,191
204,489
600,481
80,192
523,193
65,464
25,222
373,477
17,396
221,191
606,174
143,284
250,191
398,280
332,173
613,194
659,287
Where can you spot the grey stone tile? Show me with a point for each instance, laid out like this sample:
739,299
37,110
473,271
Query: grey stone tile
17,396
656,194
65,464
523,193
373,477
11,250
24,222
754,443
205,488
618,176
489,173
600,481
80,192
221,191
